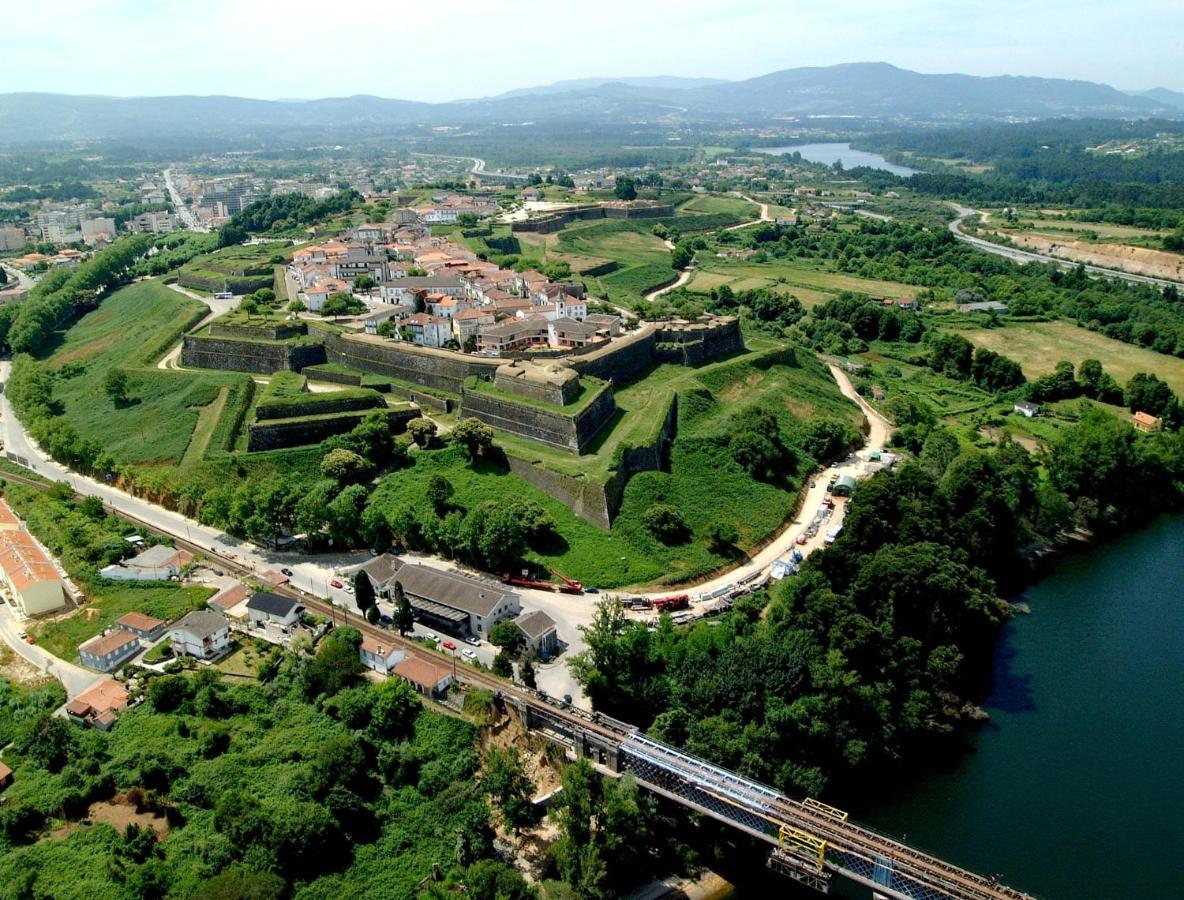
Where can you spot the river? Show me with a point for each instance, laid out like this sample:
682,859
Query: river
1074,788
830,153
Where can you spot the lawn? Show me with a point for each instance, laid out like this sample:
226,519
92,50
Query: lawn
130,331
609,241
707,204
1039,346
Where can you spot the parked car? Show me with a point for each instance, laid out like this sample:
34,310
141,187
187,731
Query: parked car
448,645
349,588
801,539
22,635
335,583
591,590
29,639
431,636
287,572
385,620
469,654
472,641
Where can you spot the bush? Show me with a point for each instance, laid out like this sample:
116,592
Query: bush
666,523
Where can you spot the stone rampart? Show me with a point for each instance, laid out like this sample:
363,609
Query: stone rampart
441,369
260,332
317,405
261,357
274,435
551,427
621,361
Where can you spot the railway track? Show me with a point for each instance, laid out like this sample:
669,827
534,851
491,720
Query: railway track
842,836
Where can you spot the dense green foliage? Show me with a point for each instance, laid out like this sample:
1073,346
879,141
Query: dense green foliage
872,648
284,211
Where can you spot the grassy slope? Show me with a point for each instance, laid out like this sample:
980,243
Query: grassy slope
130,330
799,278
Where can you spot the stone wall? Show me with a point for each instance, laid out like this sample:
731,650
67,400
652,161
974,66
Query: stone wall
239,284
260,332
621,361
557,393
553,428
594,501
200,352
276,435
317,405
443,370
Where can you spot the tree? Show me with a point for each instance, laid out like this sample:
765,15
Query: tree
364,592
625,188
508,636
439,491
504,779
722,537
393,710
296,306
168,693
345,466
1146,393
404,618
422,431
474,435
249,305
680,257
527,673
364,283
666,523
240,883
340,304
503,667
115,386
336,665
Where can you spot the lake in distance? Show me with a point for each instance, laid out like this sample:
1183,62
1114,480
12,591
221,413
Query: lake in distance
830,153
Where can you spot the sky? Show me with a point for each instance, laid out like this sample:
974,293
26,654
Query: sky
438,50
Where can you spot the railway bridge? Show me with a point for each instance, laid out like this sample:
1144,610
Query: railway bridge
811,842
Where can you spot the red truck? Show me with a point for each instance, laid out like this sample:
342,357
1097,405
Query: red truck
672,603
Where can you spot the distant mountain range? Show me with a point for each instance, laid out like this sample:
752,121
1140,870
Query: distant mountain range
1162,95
860,90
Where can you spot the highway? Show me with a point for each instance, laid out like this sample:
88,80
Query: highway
478,168
1026,256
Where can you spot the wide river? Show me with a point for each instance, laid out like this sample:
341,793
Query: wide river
830,153
1075,789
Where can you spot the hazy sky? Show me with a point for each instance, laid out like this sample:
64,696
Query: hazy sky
448,49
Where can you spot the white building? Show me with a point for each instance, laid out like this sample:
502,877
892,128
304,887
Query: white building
272,609
203,634
158,563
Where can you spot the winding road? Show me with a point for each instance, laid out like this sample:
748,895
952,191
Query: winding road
1026,256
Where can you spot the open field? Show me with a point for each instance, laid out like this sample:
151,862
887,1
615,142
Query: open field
810,285
1039,346
626,248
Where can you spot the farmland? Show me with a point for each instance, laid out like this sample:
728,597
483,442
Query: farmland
808,283
1039,346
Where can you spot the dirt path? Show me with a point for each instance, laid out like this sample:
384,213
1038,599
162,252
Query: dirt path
683,277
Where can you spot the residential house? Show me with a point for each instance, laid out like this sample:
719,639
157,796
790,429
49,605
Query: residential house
371,232
381,571
428,678
514,334
566,333
147,627
1024,408
381,314
358,261
403,290
608,324
540,633
986,306
1146,422
427,330
5,777
203,634
315,295
271,609
456,603
106,652
99,705
379,655
229,600
466,324
157,563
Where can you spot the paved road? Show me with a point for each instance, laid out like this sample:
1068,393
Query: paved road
74,679
23,280
188,219
1026,256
